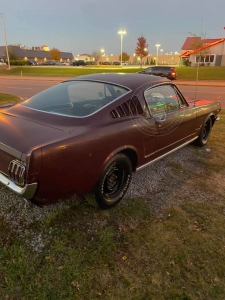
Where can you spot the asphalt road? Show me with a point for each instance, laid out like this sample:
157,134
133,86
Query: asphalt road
26,88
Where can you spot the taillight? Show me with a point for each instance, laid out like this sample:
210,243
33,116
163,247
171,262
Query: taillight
17,172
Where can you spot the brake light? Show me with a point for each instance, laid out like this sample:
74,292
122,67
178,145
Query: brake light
173,73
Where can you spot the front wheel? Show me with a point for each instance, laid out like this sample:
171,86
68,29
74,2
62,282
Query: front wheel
204,133
114,181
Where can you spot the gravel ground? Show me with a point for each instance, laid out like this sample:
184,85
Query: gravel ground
162,184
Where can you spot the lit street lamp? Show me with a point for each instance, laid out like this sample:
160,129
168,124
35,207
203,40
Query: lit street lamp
103,52
121,32
157,46
6,46
161,50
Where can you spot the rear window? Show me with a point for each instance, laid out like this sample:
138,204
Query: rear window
75,98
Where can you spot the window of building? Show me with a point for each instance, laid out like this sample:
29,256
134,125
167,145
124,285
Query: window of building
205,58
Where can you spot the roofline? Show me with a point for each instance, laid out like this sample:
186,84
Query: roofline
190,52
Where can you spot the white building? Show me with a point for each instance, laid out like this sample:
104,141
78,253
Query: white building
210,53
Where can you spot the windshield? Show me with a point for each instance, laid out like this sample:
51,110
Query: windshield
75,98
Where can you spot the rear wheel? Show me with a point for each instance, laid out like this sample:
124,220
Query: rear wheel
204,134
114,181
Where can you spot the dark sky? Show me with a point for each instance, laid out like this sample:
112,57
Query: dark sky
83,26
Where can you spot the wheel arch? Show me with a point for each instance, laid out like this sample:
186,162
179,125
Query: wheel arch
132,155
213,118
130,152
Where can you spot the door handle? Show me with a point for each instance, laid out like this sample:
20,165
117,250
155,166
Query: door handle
159,120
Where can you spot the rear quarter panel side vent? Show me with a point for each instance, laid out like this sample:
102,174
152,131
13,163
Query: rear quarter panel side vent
131,107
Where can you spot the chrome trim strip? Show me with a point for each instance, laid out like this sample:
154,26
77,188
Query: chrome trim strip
101,81
169,145
26,192
158,158
10,151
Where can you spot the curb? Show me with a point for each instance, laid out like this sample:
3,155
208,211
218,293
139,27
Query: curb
201,83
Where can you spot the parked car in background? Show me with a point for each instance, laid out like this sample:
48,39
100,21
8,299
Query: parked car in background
79,62
105,63
64,63
163,71
90,133
32,63
90,63
49,63
116,63
2,63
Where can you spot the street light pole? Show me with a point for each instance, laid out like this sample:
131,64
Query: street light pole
121,32
157,47
6,46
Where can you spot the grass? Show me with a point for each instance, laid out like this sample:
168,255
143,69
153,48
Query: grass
128,252
62,71
8,99
205,73
184,73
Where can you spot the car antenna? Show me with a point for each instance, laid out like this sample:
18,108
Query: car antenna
196,81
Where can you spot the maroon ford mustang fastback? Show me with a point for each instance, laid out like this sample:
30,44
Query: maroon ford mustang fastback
88,134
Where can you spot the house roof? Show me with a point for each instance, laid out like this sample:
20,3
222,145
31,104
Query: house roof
191,41
187,53
85,54
21,53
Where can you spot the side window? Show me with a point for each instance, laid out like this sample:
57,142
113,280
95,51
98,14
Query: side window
182,101
162,99
156,70
148,70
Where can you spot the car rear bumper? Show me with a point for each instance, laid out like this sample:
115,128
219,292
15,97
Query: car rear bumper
26,192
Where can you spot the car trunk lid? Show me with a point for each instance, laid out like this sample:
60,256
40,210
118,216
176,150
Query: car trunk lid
24,135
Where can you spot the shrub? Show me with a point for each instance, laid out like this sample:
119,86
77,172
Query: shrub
17,62
186,62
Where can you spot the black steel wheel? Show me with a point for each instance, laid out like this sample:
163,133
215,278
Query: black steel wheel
204,133
114,181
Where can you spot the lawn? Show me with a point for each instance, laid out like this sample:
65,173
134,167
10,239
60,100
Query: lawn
174,252
8,99
184,73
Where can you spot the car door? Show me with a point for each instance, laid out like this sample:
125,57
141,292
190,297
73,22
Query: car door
156,71
175,120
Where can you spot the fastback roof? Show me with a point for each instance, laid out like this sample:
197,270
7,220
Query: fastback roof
132,81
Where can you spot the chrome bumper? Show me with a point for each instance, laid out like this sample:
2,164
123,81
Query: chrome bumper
26,192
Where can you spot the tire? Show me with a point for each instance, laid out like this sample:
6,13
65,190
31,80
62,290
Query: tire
113,182
204,133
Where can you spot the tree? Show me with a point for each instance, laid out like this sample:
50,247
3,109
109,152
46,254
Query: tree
11,52
142,48
198,43
96,55
125,57
153,61
55,54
